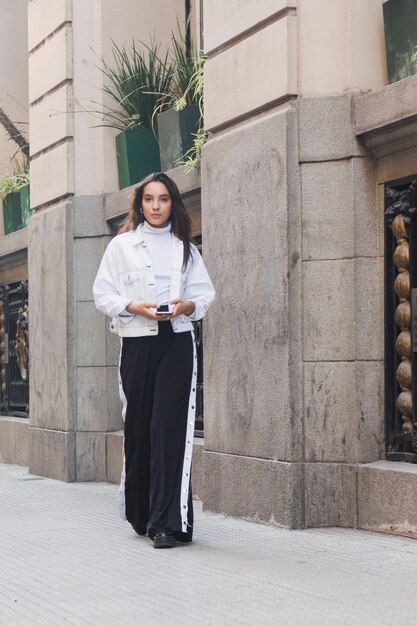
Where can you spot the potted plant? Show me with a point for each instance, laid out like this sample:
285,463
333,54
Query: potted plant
192,158
180,121
14,192
400,19
135,82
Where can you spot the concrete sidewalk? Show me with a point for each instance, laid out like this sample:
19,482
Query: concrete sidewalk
66,558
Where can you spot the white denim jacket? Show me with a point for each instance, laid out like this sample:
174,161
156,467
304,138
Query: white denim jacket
125,276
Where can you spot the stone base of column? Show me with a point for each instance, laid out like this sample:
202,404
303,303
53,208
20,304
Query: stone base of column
387,497
253,488
379,496
14,440
52,454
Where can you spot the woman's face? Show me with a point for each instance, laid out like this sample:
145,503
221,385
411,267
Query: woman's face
156,204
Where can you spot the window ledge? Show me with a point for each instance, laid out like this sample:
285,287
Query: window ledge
386,119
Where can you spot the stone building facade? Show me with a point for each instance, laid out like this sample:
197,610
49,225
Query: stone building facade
305,135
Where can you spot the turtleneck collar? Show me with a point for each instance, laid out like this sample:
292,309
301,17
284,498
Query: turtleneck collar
151,229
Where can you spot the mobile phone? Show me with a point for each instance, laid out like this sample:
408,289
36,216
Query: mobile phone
164,309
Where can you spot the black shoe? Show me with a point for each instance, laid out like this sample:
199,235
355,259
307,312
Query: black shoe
139,530
164,539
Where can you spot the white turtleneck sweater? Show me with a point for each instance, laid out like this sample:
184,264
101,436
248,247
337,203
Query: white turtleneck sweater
159,246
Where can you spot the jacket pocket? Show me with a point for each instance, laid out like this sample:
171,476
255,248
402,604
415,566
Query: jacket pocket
131,276
132,284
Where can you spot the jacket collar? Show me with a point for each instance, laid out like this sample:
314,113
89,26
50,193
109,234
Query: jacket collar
138,236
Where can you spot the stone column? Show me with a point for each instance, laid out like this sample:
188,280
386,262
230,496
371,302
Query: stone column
342,306
73,381
251,195
342,270
293,347
69,382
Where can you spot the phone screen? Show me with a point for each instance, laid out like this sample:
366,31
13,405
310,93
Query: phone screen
163,309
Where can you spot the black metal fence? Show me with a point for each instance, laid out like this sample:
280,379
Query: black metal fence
401,320
14,348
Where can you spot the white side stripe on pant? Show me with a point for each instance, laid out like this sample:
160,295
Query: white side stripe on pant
188,453
122,499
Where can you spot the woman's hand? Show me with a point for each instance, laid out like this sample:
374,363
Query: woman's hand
145,310
182,307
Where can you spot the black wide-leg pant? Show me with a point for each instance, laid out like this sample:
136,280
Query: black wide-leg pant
156,376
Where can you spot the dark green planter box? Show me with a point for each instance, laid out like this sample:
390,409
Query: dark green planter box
176,131
25,204
16,210
137,155
400,25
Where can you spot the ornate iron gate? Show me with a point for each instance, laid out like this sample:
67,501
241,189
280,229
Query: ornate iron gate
14,348
401,321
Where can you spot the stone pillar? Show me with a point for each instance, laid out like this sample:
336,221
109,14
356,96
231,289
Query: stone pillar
251,194
69,414
343,310
342,269
293,347
73,377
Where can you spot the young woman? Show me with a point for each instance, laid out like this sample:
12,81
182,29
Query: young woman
153,283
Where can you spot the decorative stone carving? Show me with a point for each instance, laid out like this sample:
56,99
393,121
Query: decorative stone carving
403,315
403,344
402,211
399,228
402,285
404,402
402,255
404,375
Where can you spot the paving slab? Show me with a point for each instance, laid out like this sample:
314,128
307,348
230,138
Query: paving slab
66,558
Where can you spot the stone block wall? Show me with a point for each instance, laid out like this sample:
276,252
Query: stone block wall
251,194
74,399
294,345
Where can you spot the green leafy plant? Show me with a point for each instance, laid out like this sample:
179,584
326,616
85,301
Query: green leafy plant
192,158
186,89
13,183
135,81
196,92
181,92
184,70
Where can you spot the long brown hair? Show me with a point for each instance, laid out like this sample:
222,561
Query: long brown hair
180,220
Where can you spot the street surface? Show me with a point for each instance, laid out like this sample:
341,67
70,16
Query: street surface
66,558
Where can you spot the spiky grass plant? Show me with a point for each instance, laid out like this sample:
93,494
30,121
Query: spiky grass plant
186,88
180,93
136,79
14,183
185,66
196,92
